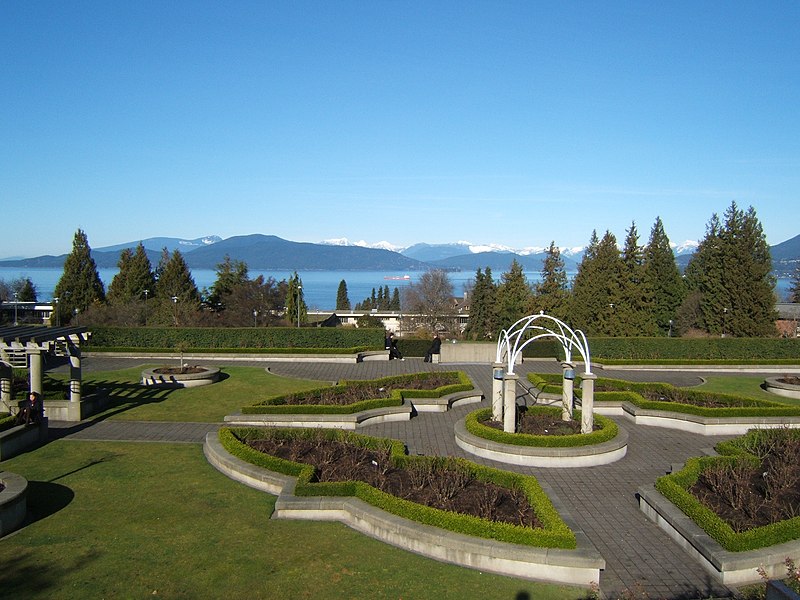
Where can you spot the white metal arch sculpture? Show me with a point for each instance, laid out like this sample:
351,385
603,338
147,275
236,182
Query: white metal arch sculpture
512,342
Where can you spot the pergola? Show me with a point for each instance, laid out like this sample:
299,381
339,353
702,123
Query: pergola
25,346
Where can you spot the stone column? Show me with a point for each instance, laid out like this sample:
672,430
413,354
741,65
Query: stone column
5,394
567,383
74,374
587,402
510,402
498,371
35,366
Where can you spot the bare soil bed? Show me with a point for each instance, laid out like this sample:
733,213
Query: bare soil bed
356,392
747,495
790,379
432,483
538,423
179,370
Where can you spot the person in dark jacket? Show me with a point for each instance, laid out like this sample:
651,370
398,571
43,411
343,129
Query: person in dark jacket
436,348
31,411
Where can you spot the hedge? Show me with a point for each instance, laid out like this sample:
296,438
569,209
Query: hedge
553,534
710,350
6,421
675,487
231,338
283,404
607,430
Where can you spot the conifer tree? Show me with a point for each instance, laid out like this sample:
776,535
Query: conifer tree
296,309
663,279
134,277
231,274
25,288
395,303
794,289
634,312
731,275
551,294
342,300
514,296
482,322
597,289
177,298
80,285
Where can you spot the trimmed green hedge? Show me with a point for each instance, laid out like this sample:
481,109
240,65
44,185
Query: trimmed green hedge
626,391
283,404
675,487
6,421
607,430
553,534
232,338
709,350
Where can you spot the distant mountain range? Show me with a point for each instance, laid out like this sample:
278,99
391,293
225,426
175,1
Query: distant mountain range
271,253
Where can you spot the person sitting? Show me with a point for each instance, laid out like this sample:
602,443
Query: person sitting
31,411
436,348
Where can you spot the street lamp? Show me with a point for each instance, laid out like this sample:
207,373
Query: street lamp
724,320
175,303
58,315
16,321
255,318
670,328
299,289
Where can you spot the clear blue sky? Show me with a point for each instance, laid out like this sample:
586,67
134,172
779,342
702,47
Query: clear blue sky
501,121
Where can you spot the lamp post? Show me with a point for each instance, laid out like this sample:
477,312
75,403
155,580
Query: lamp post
58,320
146,292
724,320
670,328
255,318
175,304
16,321
299,289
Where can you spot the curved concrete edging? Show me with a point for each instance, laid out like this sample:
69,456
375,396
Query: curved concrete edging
207,377
693,423
574,567
13,502
364,418
787,390
537,456
730,568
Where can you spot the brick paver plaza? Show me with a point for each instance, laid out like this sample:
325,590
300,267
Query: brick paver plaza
640,558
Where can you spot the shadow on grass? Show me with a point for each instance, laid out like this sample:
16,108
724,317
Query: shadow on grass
46,498
27,577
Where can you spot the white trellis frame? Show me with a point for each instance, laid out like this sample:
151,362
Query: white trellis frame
512,342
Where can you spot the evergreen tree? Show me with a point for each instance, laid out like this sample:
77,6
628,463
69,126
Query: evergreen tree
794,289
551,294
732,272
342,300
134,277
296,309
634,312
177,298
597,289
25,289
395,303
385,301
482,322
231,274
80,285
663,278
514,296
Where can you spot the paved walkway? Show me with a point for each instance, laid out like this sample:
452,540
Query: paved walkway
640,558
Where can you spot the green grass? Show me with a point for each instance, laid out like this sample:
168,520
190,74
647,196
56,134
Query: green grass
206,404
133,520
748,386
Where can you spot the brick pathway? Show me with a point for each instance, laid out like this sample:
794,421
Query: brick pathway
640,558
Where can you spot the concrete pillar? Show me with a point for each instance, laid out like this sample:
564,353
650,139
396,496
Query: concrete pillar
567,383
74,374
587,402
35,367
5,395
498,371
510,402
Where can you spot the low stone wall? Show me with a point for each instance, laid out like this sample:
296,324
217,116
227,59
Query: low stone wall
18,439
574,567
13,502
470,352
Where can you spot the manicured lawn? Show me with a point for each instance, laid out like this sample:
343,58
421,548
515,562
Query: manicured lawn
206,404
742,385
144,520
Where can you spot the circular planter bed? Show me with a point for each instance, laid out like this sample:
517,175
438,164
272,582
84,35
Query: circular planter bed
787,386
13,501
605,445
178,377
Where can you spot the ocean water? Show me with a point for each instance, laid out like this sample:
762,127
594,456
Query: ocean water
319,287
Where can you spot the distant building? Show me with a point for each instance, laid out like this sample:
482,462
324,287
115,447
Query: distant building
31,313
788,322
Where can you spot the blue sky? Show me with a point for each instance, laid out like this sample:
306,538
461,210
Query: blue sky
493,122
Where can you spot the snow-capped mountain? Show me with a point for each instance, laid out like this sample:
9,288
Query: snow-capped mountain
382,245
687,247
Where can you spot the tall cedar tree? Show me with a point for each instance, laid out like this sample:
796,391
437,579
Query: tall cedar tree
296,309
731,273
135,280
80,285
395,302
25,288
482,322
177,298
342,299
514,296
597,289
663,278
551,294
635,310
794,290
231,274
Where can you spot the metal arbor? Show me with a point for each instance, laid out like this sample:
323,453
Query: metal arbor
512,342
